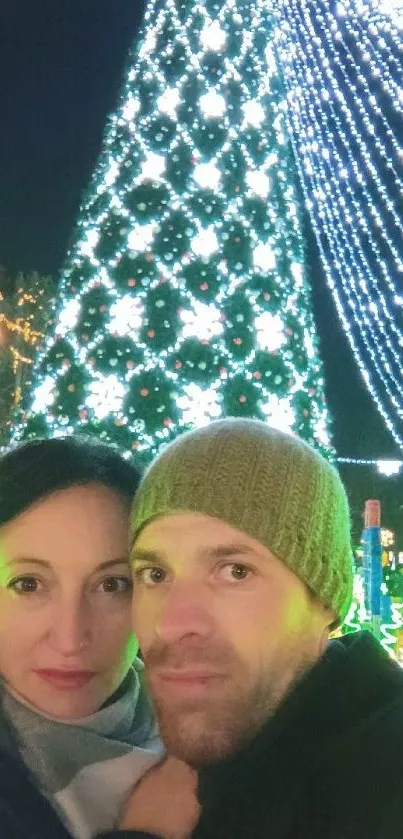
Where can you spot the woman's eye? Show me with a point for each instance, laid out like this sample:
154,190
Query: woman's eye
149,576
24,585
235,572
116,585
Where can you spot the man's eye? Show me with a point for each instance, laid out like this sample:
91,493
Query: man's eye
24,585
149,576
235,572
116,585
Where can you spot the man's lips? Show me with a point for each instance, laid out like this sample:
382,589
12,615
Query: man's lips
187,680
65,679
186,675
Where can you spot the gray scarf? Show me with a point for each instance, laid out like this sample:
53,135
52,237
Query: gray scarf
87,767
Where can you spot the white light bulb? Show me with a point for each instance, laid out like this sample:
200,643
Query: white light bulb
264,258
106,396
254,113
126,316
270,331
153,167
213,105
168,102
207,175
205,243
202,322
213,37
141,237
259,183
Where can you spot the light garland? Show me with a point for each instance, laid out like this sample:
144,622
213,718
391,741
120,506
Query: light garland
385,467
338,59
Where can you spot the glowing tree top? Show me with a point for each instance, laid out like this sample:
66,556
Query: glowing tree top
184,296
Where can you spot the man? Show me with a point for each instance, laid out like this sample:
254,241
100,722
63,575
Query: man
242,564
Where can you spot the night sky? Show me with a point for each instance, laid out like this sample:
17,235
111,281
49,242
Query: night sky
61,66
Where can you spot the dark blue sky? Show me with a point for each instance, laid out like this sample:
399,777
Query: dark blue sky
61,65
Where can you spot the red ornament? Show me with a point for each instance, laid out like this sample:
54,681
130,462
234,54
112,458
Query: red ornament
242,398
83,414
103,308
144,391
66,363
257,375
168,421
312,391
267,296
238,341
151,333
178,365
71,388
289,331
85,337
204,287
131,282
223,371
135,446
149,257
305,412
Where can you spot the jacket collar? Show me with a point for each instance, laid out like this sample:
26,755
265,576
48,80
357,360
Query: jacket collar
354,680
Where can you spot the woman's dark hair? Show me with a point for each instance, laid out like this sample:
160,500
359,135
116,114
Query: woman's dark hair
32,471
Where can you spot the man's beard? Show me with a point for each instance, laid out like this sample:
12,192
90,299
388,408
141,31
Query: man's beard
204,730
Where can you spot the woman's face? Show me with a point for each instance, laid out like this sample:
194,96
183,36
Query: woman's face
65,595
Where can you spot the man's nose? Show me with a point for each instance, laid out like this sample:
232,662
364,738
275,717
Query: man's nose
184,612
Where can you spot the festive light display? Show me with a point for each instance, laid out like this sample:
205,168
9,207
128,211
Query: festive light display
23,317
373,606
391,625
185,296
384,467
342,65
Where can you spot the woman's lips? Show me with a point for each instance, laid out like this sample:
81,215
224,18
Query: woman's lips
65,679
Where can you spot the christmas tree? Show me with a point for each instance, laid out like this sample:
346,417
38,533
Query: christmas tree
185,295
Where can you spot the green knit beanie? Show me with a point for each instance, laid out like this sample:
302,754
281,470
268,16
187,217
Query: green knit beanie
270,485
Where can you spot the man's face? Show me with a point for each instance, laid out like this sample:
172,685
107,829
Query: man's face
224,628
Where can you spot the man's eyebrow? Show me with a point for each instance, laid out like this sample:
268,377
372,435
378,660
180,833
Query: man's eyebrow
225,551
144,556
210,552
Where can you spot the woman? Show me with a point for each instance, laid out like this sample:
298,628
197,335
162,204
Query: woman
76,730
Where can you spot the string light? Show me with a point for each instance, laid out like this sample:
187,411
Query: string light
384,467
342,64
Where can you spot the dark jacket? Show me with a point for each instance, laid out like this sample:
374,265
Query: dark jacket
328,765
24,812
